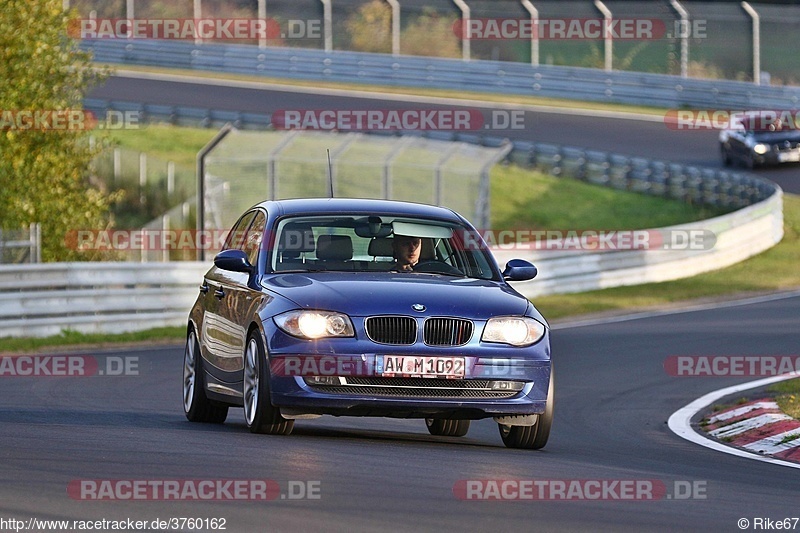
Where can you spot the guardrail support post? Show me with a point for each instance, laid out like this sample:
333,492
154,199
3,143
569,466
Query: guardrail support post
395,26
327,22
534,31
608,20
756,42
465,17
684,36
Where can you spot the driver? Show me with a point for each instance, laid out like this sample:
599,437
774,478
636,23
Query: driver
406,250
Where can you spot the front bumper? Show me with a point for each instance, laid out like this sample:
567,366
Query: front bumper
493,385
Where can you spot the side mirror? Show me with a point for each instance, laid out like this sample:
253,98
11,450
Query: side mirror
519,270
233,260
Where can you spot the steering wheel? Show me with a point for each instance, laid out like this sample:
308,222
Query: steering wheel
437,267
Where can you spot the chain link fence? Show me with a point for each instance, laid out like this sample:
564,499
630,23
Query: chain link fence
247,167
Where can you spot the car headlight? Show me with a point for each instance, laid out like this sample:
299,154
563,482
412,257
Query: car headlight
315,324
516,331
761,148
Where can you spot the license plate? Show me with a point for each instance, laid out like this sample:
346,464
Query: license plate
420,366
785,157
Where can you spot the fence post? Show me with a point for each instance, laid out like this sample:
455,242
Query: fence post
117,164
142,175
262,16
395,26
465,17
197,10
201,181
534,13
327,23
170,177
684,36
756,42
608,20
129,14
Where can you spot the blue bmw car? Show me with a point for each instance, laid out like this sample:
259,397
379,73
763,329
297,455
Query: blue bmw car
376,308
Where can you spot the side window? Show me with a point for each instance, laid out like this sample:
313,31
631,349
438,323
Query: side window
252,242
236,238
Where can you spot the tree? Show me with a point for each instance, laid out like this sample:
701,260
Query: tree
431,34
44,171
370,28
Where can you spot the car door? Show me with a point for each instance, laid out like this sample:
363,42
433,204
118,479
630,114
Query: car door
241,299
222,341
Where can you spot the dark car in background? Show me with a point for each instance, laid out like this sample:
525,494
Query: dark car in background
304,314
752,144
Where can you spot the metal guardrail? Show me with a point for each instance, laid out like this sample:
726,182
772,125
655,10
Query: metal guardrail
44,299
635,88
739,235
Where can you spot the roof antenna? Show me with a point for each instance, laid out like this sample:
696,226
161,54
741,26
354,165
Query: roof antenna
330,174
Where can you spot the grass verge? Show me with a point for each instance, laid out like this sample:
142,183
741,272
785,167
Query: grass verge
74,339
788,396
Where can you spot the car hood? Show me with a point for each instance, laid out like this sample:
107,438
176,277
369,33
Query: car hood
367,294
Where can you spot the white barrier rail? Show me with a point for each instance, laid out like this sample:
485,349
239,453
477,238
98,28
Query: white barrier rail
739,235
41,300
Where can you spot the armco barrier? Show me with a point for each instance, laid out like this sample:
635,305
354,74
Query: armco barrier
499,77
739,235
44,299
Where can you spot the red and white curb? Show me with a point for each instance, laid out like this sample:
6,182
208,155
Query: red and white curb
756,430
759,426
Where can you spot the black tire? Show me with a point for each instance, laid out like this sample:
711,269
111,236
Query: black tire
531,437
259,413
726,157
196,405
447,427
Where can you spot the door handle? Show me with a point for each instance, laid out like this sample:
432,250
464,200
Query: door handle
219,293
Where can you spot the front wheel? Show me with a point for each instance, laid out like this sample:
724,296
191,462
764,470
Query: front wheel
726,156
531,437
196,405
259,413
447,427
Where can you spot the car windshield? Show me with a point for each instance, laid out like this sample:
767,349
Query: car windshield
359,243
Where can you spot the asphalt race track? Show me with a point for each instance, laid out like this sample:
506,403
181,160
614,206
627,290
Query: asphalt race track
629,137
613,399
